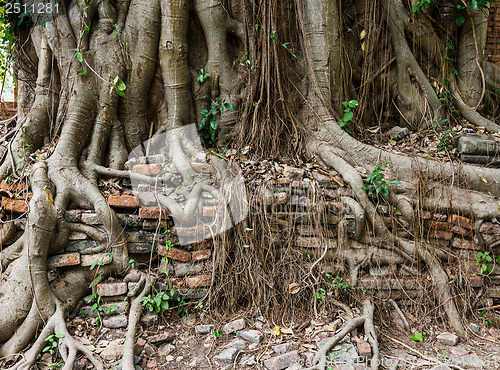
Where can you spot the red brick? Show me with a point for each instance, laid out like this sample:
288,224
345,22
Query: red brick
62,260
442,242
203,244
437,225
364,349
202,255
174,253
16,187
123,201
147,169
461,221
151,213
490,228
199,281
111,289
465,244
440,234
461,231
209,211
100,258
14,205
476,281
154,225
493,293
160,338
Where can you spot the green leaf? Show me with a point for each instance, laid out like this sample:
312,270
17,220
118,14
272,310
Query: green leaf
353,103
474,4
121,93
460,20
417,337
348,116
229,107
59,335
79,57
120,85
79,73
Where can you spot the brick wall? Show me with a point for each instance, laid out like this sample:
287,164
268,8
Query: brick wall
187,268
492,49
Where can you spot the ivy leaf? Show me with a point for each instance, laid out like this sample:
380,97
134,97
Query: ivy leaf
353,103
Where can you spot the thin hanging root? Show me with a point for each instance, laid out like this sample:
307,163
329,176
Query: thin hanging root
319,361
69,346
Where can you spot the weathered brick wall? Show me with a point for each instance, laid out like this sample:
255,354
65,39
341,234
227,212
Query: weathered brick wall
7,109
150,233
492,49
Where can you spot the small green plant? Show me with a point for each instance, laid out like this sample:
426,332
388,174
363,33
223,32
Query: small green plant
210,117
131,262
115,30
78,55
52,343
56,365
158,303
320,294
119,86
217,333
162,302
445,142
348,114
418,337
377,183
203,76
199,305
486,322
337,283
443,355
484,261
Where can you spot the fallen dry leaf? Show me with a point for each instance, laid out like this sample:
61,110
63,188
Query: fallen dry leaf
294,288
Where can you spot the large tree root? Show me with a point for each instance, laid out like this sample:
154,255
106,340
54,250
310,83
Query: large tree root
321,357
68,346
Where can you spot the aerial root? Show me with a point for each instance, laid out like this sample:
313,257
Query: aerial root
68,346
143,287
320,359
